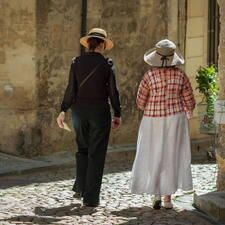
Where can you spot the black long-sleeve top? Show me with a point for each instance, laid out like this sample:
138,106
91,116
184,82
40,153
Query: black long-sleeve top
97,90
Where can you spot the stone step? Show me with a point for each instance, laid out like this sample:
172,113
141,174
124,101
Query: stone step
212,204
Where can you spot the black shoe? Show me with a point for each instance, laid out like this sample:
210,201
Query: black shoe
157,204
77,195
90,204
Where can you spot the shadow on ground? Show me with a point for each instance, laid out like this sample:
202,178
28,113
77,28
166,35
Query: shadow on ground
148,216
32,220
52,215
133,215
71,210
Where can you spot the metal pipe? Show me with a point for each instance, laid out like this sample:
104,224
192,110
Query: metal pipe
217,37
83,29
213,32
209,31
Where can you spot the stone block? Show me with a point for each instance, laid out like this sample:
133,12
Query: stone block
196,8
192,64
195,27
195,47
213,204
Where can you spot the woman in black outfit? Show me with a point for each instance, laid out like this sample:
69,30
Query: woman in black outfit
91,85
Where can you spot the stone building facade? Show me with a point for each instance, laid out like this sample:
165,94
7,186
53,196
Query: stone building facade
38,38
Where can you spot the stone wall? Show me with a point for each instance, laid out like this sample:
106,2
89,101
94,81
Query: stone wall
134,28
39,39
221,149
196,51
17,73
58,32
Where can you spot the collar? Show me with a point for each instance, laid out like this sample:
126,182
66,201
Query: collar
94,53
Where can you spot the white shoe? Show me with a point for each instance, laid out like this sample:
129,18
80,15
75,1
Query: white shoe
168,205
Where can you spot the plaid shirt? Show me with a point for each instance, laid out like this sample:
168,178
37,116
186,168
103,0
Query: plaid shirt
164,92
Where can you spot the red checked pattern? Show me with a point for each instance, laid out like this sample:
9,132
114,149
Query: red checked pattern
164,92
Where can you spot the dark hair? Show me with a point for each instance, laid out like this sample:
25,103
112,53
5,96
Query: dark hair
94,42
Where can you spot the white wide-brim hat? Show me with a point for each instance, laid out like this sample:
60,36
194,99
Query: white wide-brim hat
97,33
163,54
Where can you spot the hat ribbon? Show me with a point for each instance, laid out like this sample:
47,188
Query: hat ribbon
97,34
164,58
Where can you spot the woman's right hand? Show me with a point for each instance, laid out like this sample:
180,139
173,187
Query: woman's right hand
60,119
189,114
116,123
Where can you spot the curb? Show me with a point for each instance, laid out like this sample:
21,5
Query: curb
117,154
67,159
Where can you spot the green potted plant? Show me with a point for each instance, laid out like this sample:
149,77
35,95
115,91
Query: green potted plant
207,85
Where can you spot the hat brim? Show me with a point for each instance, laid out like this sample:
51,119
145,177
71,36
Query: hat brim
152,58
109,43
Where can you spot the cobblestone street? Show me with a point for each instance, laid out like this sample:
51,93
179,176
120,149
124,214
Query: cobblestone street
46,198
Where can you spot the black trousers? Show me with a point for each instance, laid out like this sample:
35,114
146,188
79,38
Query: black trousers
92,135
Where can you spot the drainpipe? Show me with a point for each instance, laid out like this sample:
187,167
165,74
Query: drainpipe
213,32
83,30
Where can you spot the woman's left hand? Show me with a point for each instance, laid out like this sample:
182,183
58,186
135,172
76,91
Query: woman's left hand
60,119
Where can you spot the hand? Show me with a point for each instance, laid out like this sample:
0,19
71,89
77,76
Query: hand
60,119
189,114
116,123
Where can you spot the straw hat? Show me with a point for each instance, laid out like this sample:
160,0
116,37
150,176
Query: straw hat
97,33
163,54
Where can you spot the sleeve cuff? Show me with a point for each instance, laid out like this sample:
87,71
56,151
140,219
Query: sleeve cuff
62,108
117,114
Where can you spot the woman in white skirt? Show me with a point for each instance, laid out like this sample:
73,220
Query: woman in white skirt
163,160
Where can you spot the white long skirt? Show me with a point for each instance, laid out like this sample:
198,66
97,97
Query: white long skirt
163,159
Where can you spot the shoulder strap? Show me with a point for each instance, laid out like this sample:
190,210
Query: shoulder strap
90,74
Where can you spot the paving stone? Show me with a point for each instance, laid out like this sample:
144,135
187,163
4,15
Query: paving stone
46,198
